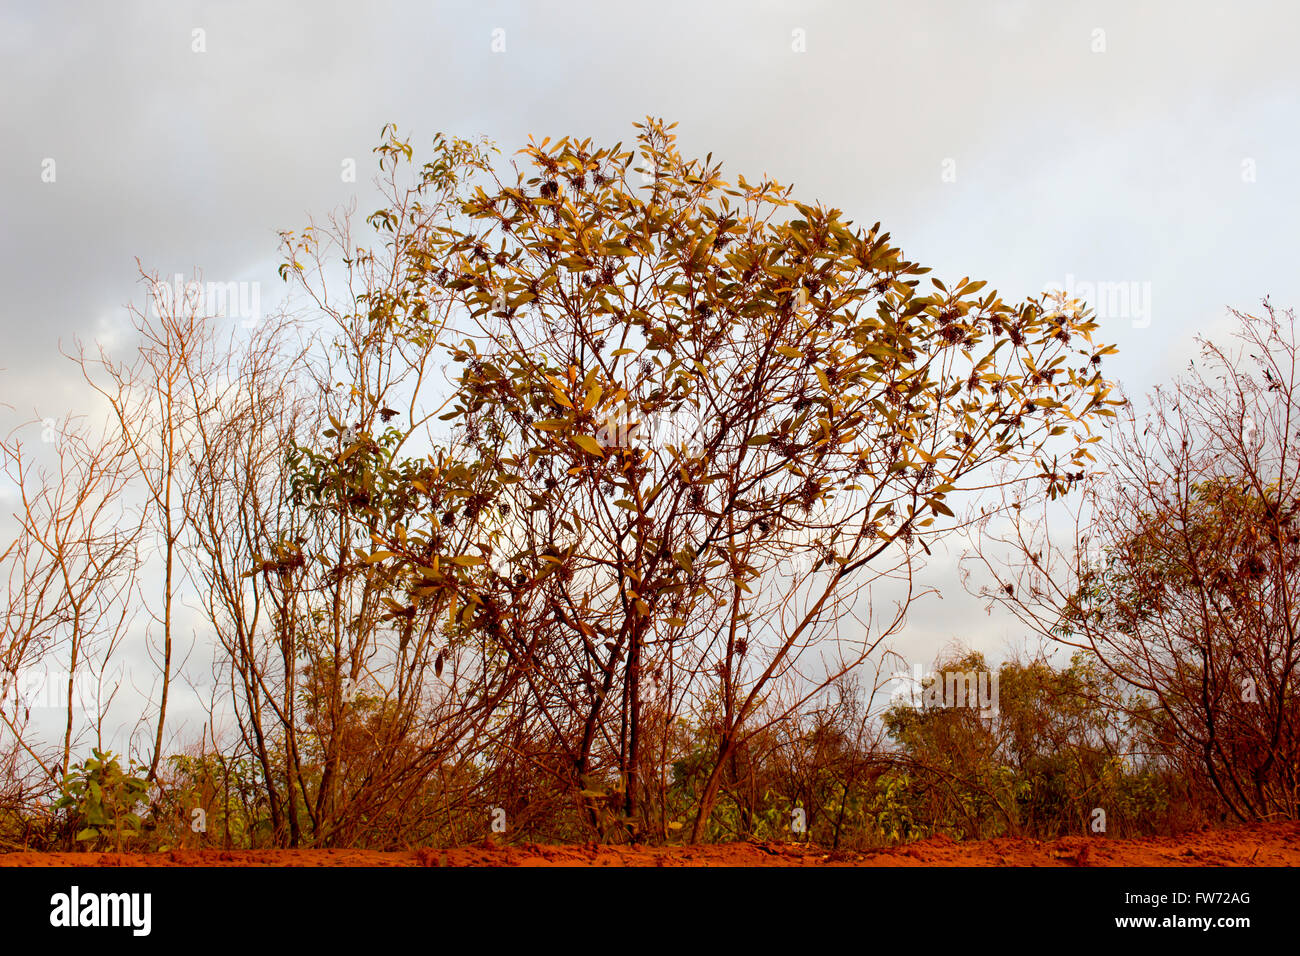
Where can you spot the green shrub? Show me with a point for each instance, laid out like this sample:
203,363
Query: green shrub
101,799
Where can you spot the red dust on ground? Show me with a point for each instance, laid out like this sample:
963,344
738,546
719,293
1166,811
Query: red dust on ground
1269,844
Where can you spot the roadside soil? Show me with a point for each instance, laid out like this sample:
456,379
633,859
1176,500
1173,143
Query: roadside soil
1271,844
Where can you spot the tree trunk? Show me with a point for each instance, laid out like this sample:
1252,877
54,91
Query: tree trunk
711,788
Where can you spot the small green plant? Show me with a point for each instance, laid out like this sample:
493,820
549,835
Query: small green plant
101,797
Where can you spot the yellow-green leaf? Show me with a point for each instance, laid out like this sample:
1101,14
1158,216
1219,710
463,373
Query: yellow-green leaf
589,445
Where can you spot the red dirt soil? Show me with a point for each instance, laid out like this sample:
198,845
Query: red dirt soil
1271,844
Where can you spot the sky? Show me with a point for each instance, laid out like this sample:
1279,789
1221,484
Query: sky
1142,156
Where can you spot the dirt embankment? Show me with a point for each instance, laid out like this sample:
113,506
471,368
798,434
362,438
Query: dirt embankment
1274,844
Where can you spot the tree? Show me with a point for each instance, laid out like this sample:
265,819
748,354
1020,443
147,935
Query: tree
714,415
381,689
1055,748
71,571
1180,573
155,410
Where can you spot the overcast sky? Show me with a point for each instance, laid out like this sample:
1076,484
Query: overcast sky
1154,145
